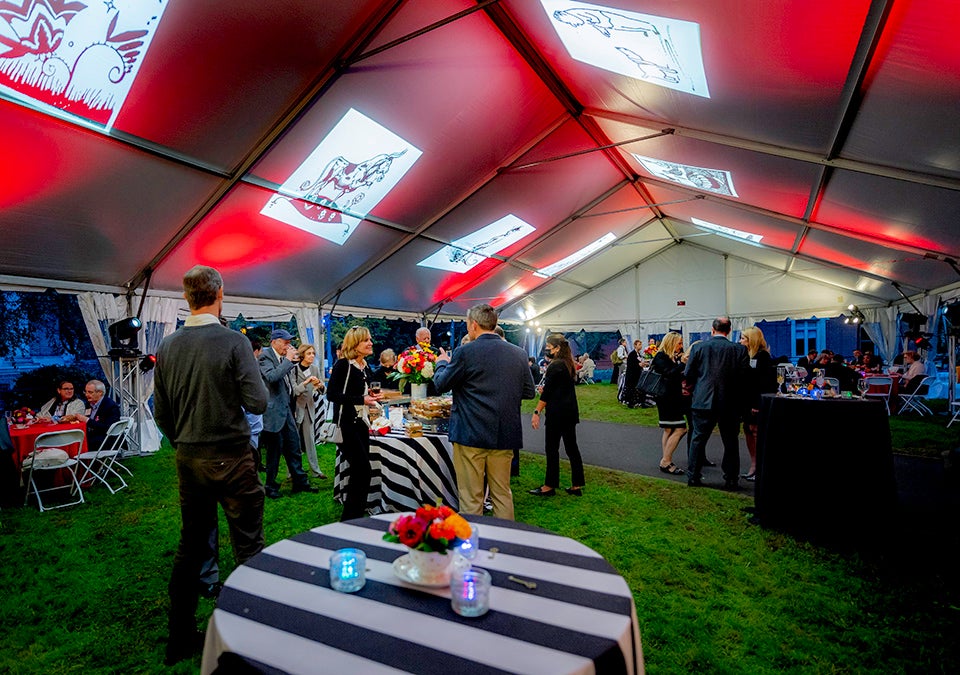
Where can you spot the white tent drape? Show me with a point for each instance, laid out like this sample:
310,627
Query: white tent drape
881,326
99,310
159,317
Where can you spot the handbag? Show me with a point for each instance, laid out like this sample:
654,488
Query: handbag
330,431
651,383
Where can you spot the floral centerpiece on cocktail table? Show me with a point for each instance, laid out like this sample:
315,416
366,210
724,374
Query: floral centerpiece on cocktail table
430,533
23,416
415,365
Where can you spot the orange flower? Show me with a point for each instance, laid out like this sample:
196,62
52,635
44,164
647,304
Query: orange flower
461,528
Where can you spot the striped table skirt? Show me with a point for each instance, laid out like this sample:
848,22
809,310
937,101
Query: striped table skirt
404,473
278,614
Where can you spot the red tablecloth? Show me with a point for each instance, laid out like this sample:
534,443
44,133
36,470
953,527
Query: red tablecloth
24,438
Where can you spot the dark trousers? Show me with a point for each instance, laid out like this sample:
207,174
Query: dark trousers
285,442
211,475
355,448
704,422
553,434
615,377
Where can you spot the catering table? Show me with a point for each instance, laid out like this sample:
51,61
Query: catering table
824,467
277,612
23,438
405,473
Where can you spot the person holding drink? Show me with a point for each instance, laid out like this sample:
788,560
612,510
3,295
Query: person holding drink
64,406
350,394
307,379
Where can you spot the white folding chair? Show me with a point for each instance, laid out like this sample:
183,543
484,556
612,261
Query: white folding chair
99,464
50,454
915,401
880,387
956,413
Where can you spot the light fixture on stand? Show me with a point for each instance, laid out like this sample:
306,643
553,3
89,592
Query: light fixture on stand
855,315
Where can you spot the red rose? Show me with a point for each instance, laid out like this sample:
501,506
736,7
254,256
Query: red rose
410,532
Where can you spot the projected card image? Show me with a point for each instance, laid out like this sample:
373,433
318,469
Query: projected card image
654,49
72,58
465,253
728,232
716,181
343,179
574,258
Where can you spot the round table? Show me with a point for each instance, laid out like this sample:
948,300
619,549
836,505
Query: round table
277,612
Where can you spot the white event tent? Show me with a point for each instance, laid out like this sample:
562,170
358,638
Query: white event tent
630,164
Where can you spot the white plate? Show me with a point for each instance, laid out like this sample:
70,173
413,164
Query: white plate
404,569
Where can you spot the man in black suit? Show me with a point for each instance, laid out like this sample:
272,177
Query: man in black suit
715,372
101,413
489,377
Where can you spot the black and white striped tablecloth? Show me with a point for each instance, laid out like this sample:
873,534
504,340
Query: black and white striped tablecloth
277,613
405,473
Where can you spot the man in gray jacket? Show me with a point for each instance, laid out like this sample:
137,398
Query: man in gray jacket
205,377
715,372
489,377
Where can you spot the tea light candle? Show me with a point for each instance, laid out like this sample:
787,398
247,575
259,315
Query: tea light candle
348,570
470,592
468,547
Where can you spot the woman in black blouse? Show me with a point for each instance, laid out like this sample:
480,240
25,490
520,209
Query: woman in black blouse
669,363
347,390
761,379
632,376
559,393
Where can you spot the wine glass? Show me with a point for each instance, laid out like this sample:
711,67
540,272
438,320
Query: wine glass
781,378
863,385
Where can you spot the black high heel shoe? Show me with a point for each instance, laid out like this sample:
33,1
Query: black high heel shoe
542,493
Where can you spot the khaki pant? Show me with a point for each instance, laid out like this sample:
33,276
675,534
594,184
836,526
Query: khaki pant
472,464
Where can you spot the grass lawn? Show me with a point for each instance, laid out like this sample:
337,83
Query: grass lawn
85,588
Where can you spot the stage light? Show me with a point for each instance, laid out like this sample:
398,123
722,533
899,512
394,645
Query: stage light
147,363
922,343
123,337
856,319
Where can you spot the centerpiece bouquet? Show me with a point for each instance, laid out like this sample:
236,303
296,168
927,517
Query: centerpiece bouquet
23,416
429,533
415,365
433,529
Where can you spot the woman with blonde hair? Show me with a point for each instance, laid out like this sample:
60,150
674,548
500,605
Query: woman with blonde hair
668,363
348,391
307,380
761,378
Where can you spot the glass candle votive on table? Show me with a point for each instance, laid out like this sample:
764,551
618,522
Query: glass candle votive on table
468,548
348,570
470,591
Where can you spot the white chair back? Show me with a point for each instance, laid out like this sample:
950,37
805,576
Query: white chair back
45,457
880,387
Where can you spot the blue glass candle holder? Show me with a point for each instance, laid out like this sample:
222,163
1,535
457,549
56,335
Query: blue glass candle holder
348,570
470,591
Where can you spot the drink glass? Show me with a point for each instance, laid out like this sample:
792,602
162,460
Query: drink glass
8,416
374,388
470,591
348,570
862,385
469,547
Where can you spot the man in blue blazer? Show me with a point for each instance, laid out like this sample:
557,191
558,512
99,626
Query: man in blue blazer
100,415
715,372
489,377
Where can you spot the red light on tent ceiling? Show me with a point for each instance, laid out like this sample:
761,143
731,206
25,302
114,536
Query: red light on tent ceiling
455,284
241,240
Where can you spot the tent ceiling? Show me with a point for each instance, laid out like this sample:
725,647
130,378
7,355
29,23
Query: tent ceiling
366,153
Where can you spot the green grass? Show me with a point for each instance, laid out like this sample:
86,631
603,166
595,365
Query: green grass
911,434
85,588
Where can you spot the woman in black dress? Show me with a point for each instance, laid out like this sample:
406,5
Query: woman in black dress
760,379
559,395
632,376
347,390
669,363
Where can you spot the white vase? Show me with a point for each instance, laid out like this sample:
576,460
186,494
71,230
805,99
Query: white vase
418,390
431,566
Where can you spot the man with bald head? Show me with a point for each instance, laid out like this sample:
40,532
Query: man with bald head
715,372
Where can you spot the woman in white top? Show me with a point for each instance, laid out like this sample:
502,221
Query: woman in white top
916,371
308,379
63,404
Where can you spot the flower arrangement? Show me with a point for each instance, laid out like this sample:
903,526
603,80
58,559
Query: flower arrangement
650,351
434,529
415,365
23,415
